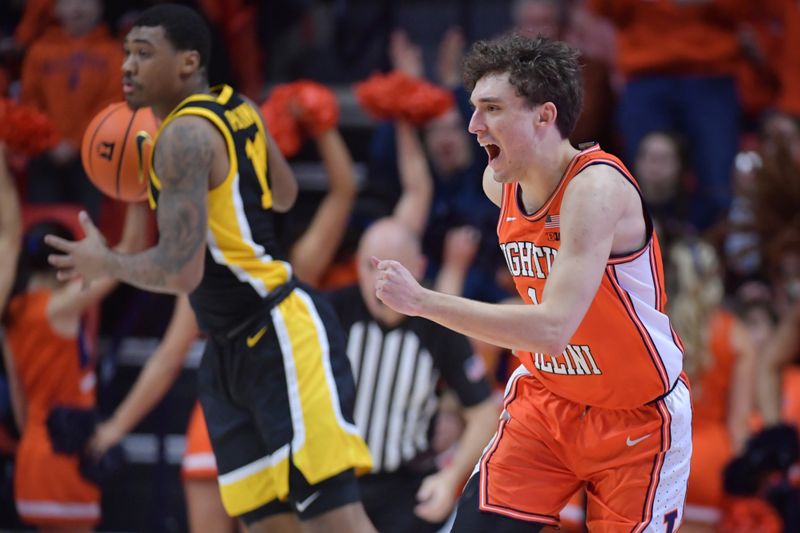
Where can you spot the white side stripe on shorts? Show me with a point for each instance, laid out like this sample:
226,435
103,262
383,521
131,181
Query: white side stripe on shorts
199,461
51,509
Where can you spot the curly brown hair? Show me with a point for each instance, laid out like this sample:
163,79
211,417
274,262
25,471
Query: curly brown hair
541,70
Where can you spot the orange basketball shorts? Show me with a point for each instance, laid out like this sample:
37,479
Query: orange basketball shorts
633,463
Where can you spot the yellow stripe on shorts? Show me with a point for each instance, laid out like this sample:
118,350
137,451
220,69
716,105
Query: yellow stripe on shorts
324,443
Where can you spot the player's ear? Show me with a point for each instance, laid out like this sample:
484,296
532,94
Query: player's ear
547,114
190,62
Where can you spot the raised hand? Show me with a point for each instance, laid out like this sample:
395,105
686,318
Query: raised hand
84,259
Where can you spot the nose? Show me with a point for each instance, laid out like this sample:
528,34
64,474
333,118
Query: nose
127,64
476,123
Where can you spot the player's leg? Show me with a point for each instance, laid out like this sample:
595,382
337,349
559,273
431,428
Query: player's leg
252,471
204,507
523,480
324,445
637,472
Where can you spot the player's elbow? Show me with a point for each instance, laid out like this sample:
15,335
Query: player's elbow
189,278
284,197
554,338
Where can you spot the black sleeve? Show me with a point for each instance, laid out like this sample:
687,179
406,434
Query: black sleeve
461,368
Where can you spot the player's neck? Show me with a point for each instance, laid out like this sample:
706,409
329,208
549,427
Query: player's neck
542,178
199,86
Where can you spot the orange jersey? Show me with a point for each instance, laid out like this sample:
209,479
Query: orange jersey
624,352
50,366
710,399
48,489
71,79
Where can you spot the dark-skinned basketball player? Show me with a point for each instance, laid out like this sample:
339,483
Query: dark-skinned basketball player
275,383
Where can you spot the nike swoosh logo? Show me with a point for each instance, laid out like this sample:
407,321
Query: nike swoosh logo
634,442
142,137
253,339
303,504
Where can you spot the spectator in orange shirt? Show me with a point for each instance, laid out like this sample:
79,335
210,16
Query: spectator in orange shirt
70,73
680,59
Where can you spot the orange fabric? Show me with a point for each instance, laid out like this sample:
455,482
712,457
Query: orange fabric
50,374
71,79
789,99
711,451
624,352
198,460
663,36
38,17
548,446
790,408
712,388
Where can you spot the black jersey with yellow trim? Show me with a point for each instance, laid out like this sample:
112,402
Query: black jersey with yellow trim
243,263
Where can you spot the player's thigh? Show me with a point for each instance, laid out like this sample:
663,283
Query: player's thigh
523,473
253,470
320,390
640,475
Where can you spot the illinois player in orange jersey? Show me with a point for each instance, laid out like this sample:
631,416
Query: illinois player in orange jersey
48,368
599,399
720,360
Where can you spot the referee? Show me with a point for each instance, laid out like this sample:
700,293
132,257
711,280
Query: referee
397,364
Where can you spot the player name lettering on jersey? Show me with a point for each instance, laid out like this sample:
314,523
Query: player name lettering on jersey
241,117
526,259
575,360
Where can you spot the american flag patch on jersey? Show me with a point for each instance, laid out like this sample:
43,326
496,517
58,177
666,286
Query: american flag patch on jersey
551,221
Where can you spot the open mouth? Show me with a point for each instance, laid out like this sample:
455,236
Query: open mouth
493,150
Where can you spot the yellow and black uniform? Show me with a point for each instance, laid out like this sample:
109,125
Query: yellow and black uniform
275,382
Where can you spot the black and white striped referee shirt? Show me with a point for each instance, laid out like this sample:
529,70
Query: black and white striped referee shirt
396,372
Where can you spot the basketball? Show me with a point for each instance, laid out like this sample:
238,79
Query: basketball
116,151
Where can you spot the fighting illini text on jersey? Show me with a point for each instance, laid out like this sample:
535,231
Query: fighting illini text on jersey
242,261
625,352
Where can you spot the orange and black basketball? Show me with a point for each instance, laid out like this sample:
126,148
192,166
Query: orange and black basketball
116,151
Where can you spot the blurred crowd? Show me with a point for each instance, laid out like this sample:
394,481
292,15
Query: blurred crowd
700,98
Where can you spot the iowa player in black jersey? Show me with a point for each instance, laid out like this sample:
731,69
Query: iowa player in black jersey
275,382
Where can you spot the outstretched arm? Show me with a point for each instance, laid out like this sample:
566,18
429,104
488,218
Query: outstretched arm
314,251
10,229
153,382
183,161
595,203
414,205
742,388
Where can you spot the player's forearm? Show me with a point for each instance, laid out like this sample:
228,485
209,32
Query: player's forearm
159,269
481,425
338,163
415,202
517,327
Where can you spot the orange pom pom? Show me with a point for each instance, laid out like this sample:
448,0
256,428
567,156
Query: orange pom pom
399,96
315,106
295,110
745,515
24,129
280,123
